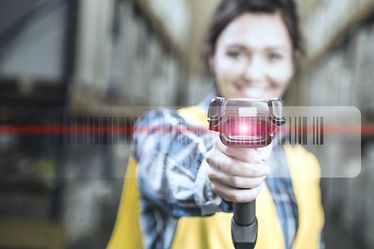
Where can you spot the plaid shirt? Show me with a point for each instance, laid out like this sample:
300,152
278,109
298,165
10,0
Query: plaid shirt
173,178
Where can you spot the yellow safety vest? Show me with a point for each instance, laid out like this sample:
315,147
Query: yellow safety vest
213,232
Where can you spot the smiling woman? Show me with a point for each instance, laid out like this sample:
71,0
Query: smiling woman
251,49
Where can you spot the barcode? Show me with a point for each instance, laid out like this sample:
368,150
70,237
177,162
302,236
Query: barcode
300,132
118,130
318,131
91,130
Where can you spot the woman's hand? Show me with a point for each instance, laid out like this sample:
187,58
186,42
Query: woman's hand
238,174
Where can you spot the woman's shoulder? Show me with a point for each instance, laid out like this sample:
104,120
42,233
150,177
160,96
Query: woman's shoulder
159,114
302,162
157,118
194,115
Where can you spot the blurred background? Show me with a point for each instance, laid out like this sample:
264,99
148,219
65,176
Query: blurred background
82,61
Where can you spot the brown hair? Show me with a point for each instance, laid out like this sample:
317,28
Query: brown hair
229,10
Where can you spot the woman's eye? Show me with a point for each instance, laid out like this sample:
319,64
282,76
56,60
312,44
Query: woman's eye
235,54
275,56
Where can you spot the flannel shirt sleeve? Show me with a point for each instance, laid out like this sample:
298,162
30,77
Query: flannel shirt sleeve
172,170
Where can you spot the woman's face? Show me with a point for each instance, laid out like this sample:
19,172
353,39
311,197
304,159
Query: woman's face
253,57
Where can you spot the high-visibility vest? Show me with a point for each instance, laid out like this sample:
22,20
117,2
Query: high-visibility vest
213,232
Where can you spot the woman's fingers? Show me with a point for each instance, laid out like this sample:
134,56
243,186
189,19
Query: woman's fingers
258,155
237,174
234,167
234,181
234,194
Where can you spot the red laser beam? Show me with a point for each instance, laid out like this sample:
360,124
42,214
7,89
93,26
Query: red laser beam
107,129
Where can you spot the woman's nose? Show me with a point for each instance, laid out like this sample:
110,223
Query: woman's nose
254,71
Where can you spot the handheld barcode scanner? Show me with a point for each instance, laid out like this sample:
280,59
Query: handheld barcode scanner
245,123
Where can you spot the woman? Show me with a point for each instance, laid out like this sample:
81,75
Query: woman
252,49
